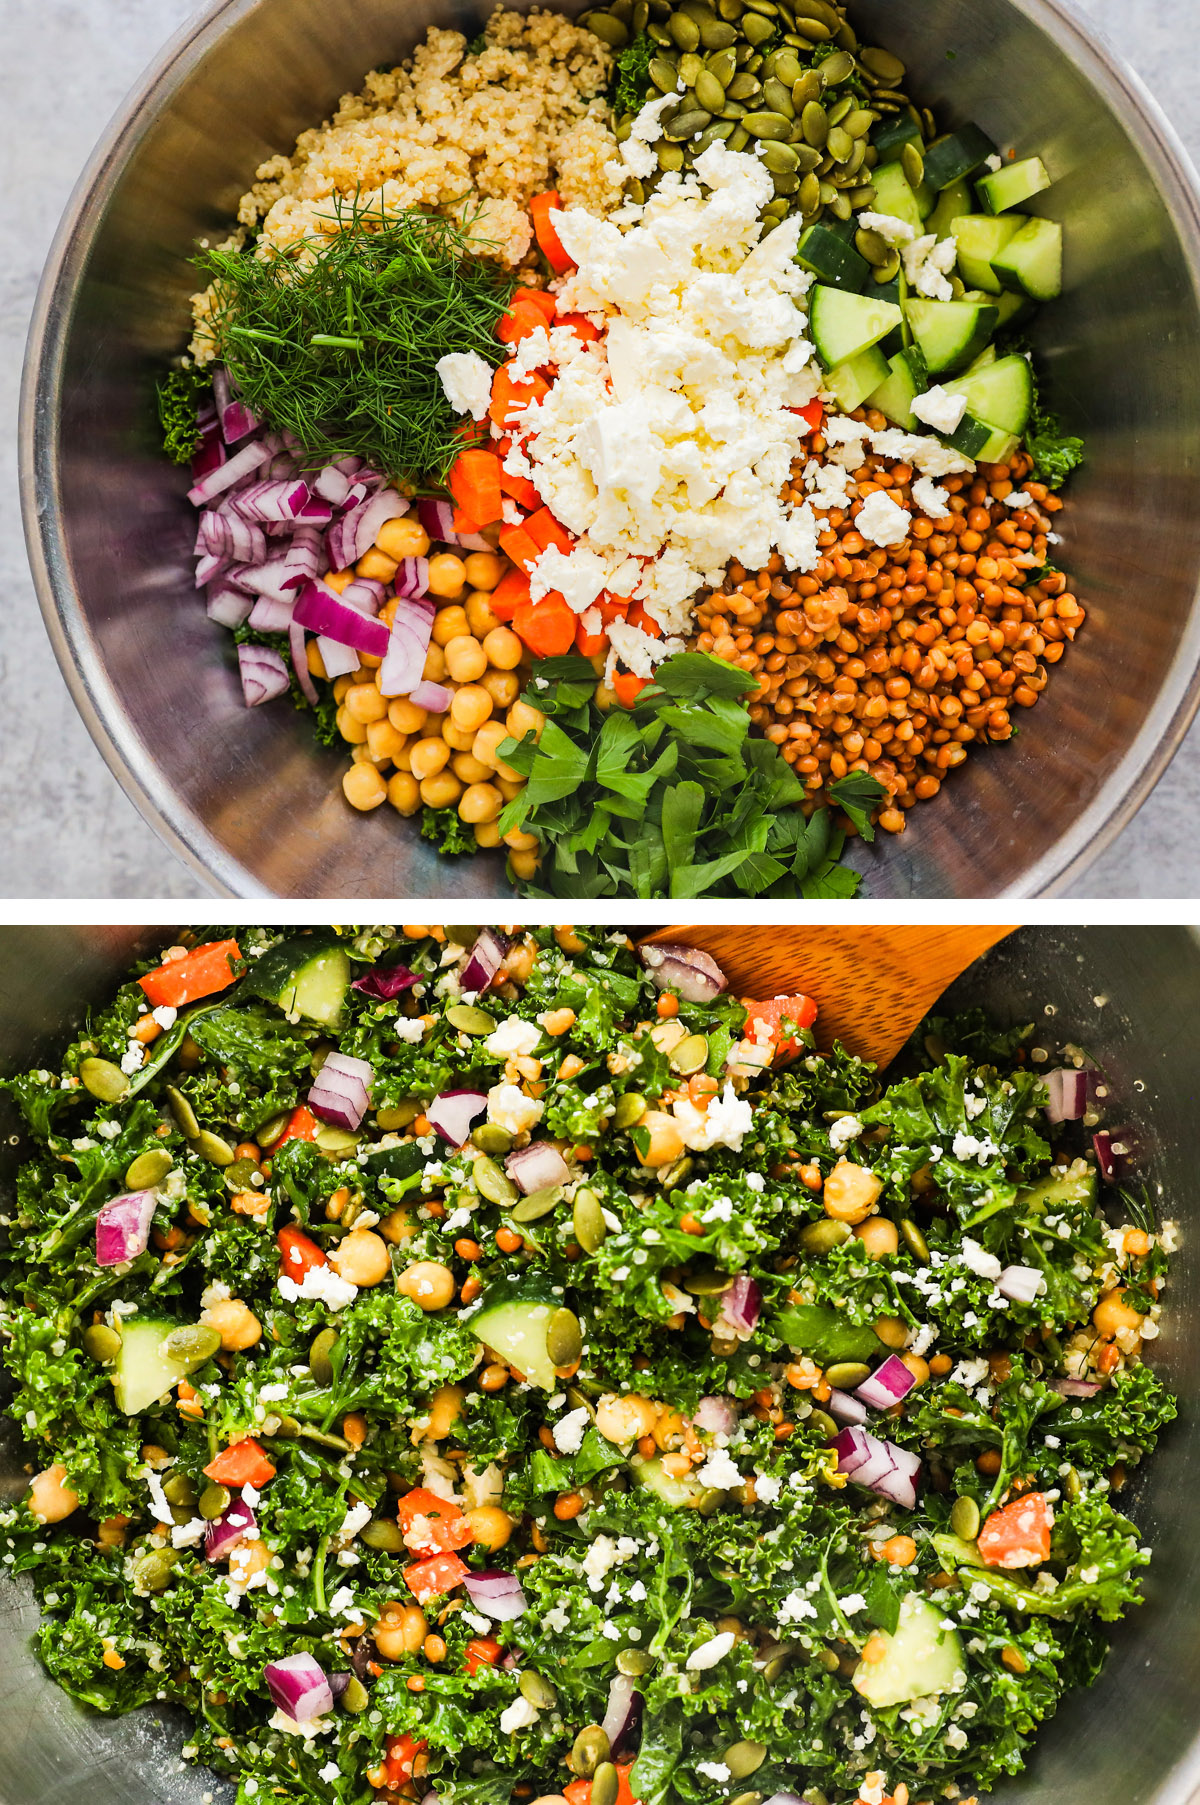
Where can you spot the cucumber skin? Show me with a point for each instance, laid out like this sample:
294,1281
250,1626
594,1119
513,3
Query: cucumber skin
999,394
906,380
280,976
891,138
958,154
953,202
831,259
894,196
979,238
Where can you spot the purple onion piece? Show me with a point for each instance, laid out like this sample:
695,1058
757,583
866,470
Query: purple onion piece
1076,1388
123,1227
225,1532
717,1415
685,969
498,1595
299,1687
385,981
263,673
1068,1094
1117,1151
486,957
887,1385
741,1307
623,1718
846,1407
1020,1284
454,1113
538,1167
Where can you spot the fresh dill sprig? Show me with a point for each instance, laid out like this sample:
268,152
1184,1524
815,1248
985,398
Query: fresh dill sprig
336,340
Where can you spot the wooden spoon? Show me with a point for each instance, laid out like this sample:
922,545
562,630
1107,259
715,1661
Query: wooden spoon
872,985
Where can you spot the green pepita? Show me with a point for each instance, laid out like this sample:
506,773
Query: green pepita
677,1173
778,98
688,125
240,1174
489,1137
629,1110
746,1798
730,10
858,121
273,1127
777,209
840,206
180,1488
767,125
639,17
690,66
670,156
822,1237
756,28
840,109
587,1221
589,1749
780,159
103,1079
823,1424
212,1147
385,1534
709,92
744,1758
152,1571
101,1344
192,1344
493,1182
723,65
964,1518
609,30
844,1375
887,271
716,34
690,1055
805,88
320,1357
355,1697
807,158
469,1020
634,1662
564,1338
537,1204
537,1690
710,1283
148,1169
1074,1484
338,1143
839,144
787,68
815,124
870,245
881,64
684,31
662,73
743,87
738,138
837,68
720,128
214,1501
810,200
914,1240
658,34
605,1785
913,165
776,1667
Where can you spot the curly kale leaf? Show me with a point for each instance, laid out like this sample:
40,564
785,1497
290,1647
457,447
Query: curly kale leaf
179,395
451,836
1055,453
973,1033
631,74
1124,1419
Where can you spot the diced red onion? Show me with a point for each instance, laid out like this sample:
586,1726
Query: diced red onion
1116,1150
226,1532
454,1112
887,1385
210,453
341,1091
264,674
338,660
299,1687
1020,1283
227,606
718,1416
381,508
316,511
538,1167
407,648
215,482
348,466
385,981
338,1683
123,1227
498,1595
880,1466
1076,1388
623,1716
270,615
299,656
331,484
846,1407
486,957
1068,1094
322,611
412,576
786,1798
209,568
437,517
741,1307
229,536
434,698
672,966
365,593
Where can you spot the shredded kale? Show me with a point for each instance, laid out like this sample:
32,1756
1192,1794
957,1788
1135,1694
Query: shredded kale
451,836
1055,454
631,74
179,395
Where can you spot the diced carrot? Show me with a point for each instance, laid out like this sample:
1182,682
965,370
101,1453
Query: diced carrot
509,396
546,626
798,1011
517,543
399,1763
509,593
639,618
540,298
432,1525
1018,1535
812,415
520,320
435,1577
241,1463
580,325
202,973
481,1651
542,209
613,607
475,485
297,1254
302,1125
520,488
588,644
545,530
627,688
579,1792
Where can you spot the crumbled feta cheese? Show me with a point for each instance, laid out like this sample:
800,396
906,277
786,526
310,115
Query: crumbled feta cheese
931,498
319,1282
164,1015
888,227
845,1129
466,380
719,1471
725,1123
767,1488
356,1518
709,1653
511,1109
186,1535
1020,498
979,1260
939,409
713,1770
570,1430
408,1027
968,1146
513,1038
882,520
927,265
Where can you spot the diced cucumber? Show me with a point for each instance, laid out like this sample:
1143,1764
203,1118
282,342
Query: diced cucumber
1077,1185
976,439
958,154
986,356
515,1328
1014,309
685,1493
142,1371
894,196
999,393
893,134
979,238
831,259
853,381
1032,261
952,203
921,1658
907,378
1014,183
927,200
308,975
841,325
950,333
890,291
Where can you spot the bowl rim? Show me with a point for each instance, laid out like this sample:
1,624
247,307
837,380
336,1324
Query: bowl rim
114,731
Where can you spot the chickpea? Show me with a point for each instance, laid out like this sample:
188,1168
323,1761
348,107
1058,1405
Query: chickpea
445,1408
481,617
503,648
524,864
403,538
435,663
851,1192
248,1559
480,802
447,575
891,1331
918,1367
50,1497
449,623
470,708
487,833
364,703
668,1431
397,1226
624,1419
316,664
1112,1314
485,569
490,1526
502,686
465,658
898,1551
362,755
404,793
509,790
486,747
428,1283
363,787
428,757
342,684
441,791
361,1258
521,718
666,1138
235,1322
405,716
352,731
520,841
376,564
337,580
466,766
878,1236
384,740
400,1631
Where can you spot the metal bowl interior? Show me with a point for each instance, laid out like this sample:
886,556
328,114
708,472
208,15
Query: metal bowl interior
1133,1739
249,798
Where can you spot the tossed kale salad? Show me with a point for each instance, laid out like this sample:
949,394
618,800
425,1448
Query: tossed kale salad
475,1367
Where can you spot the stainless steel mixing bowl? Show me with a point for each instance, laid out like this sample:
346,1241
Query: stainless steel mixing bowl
1132,996
248,799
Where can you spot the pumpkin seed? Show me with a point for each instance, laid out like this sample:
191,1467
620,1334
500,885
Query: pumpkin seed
707,1284
775,1669
730,10
688,125
747,1798
787,68
690,67
738,138
537,1204
822,1237
101,1344
817,9
841,206
637,191
815,124
273,1127
778,98
767,125
192,1344
662,74
338,1143
469,1020
733,112
634,1662
839,144
639,17
828,193
723,64
564,1338
103,1079
882,64
913,165
587,1221
823,1423
810,200
888,270
684,31
854,161
179,1488
717,34
538,1691
858,121
756,28
605,1785
691,1054
152,1571
240,1174
383,1534
320,1361
212,1147
776,209
766,8
780,159
720,128
148,1169
840,109
870,245
589,1749
658,34
670,156
836,69
914,1240
964,1518
610,31
623,10
493,1182
709,92
355,1697
744,1758
806,157
812,32
489,1137
214,1501
630,1109
1074,1483
744,87
844,1375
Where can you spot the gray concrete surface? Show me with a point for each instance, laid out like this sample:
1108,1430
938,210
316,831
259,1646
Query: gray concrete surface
66,828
